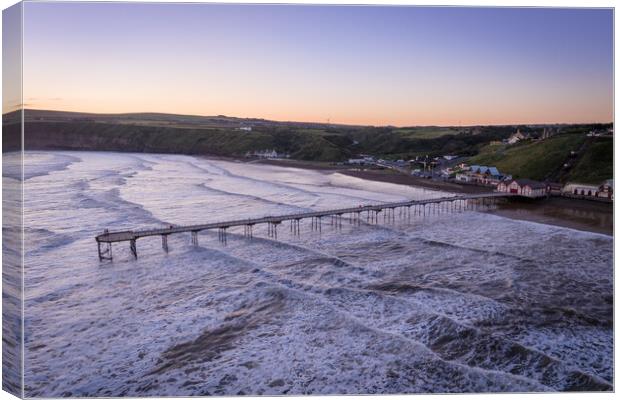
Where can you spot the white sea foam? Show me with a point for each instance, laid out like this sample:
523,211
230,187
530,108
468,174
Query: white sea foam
444,303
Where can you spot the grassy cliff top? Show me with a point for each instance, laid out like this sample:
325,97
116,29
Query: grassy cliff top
565,157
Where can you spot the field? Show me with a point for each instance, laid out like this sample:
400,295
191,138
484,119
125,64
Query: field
426,132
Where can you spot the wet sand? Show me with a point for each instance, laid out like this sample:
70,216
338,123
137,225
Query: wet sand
402,179
570,213
313,165
381,175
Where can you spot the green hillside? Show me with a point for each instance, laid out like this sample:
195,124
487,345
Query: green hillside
596,164
426,132
221,136
534,160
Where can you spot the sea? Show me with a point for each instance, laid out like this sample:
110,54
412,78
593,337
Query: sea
445,302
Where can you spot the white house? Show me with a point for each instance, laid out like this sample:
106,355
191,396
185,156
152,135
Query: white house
580,189
246,128
267,154
516,137
523,187
463,177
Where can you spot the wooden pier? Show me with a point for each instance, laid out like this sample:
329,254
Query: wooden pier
369,213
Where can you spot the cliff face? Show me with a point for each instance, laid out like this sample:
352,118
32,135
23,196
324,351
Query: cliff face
222,136
97,136
131,138
170,133
11,136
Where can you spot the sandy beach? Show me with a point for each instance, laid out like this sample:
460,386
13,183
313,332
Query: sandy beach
380,175
578,214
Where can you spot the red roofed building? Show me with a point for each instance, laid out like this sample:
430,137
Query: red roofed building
523,187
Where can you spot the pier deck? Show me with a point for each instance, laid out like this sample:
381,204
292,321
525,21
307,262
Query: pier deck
132,235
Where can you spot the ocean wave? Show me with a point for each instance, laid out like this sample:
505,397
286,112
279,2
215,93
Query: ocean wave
463,302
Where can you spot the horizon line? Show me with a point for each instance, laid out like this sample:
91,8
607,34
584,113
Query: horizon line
305,122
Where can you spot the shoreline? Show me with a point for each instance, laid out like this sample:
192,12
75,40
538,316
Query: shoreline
569,213
379,175
402,179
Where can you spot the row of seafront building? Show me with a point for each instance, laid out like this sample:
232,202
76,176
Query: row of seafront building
491,176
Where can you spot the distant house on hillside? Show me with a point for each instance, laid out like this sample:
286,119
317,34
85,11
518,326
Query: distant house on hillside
601,132
523,187
266,154
548,132
246,128
516,137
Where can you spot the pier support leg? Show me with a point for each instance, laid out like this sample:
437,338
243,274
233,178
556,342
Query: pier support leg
272,230
106,252
247,231
164,242
222,235
132,247
195,238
